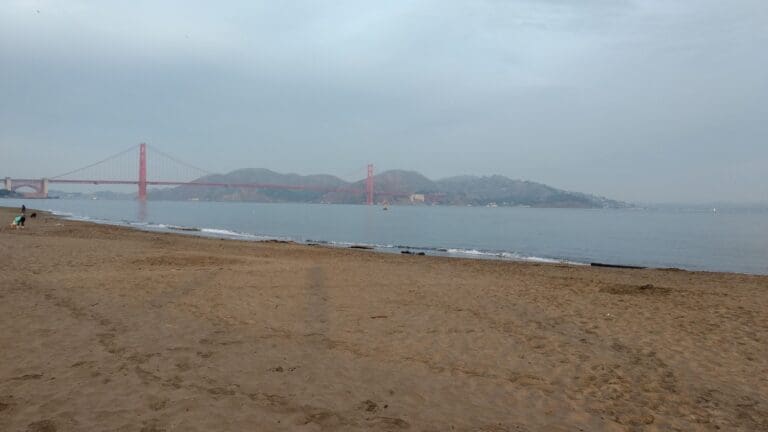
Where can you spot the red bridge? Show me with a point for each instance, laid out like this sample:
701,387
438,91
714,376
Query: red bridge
99,173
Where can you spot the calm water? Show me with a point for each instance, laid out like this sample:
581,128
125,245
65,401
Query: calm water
729,240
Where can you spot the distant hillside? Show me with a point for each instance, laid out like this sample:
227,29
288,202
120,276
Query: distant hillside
505,191
253,175
393,186
388,182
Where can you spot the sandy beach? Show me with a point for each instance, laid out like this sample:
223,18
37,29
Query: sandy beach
107,328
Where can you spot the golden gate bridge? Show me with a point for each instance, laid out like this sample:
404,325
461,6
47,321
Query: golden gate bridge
166,169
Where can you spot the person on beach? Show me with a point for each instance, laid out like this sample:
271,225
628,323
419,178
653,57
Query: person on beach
23,209
18,221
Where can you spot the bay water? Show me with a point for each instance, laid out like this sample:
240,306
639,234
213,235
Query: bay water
732,240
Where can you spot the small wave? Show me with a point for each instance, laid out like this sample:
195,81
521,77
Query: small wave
218,232
470,252
347,244
518,257
148,225
60,213
513,256
224,232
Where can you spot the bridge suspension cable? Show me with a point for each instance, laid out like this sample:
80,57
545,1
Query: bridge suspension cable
154,149
114,156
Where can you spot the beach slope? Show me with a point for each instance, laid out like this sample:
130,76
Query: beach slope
107,328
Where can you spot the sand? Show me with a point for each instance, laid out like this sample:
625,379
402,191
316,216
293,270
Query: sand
106,328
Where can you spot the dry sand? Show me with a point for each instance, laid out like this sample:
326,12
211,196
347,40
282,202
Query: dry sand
105,328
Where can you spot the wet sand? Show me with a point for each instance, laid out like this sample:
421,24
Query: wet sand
106,328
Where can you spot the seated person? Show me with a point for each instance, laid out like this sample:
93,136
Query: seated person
18,221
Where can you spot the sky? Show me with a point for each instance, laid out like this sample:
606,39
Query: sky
636,100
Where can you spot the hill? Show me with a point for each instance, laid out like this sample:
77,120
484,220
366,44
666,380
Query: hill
505,191
394,186
253,175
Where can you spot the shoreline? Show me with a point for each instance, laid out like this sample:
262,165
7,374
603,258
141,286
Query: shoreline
226,234
121,329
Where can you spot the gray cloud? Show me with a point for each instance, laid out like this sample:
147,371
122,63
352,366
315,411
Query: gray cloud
637,100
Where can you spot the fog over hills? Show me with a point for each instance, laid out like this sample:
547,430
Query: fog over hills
394,186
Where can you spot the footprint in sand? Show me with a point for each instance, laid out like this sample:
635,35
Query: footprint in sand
28,377
42,426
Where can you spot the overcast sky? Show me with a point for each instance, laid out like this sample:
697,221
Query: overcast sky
638,100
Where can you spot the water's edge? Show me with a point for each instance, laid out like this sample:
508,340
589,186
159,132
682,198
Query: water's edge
220,233
729,241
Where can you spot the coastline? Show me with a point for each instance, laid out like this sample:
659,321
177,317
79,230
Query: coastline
735,242
223,233
117,328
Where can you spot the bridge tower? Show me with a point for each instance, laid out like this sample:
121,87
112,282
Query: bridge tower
8,183
369,186
142,172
